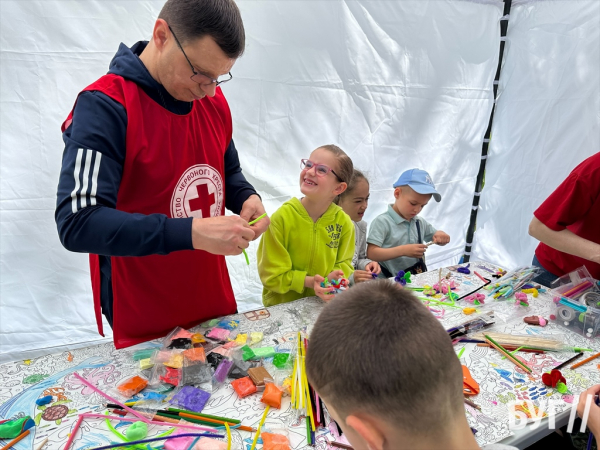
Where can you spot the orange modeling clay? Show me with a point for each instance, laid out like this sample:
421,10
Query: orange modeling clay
243,386
195,354
272,441
132,386
272,395
470,386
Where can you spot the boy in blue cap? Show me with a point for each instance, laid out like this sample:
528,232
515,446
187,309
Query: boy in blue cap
397,237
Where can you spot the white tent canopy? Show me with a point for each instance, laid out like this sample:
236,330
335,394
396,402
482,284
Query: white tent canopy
397,84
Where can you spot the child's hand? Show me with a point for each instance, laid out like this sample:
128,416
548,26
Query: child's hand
373,267
414,250
321,292
593,422
441,238
362,275
336,275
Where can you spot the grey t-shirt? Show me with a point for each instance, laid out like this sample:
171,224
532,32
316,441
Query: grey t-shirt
391,230
360,259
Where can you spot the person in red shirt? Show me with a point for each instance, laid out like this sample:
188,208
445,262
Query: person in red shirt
567,225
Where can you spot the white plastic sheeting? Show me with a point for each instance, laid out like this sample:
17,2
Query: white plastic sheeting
396,84
547,120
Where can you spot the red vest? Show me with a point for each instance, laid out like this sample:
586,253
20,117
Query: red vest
174,165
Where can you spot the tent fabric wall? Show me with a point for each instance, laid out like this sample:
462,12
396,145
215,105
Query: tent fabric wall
547,120
396,84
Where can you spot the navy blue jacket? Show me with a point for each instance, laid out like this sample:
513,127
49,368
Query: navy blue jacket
86,217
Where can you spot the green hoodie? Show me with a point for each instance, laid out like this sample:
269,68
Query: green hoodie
294,247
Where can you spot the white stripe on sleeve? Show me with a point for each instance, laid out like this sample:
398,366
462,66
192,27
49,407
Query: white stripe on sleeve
85,181
96,169
76,176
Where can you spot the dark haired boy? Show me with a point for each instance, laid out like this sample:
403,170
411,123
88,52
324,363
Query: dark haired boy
148,168
387,372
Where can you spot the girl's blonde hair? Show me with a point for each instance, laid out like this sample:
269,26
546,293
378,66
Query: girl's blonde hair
346,168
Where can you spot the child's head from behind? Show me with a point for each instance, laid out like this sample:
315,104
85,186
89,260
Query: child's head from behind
326,173
385,367
412,192
355,199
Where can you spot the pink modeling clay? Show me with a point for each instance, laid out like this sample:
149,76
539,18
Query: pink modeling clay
220,334
182,443
209,444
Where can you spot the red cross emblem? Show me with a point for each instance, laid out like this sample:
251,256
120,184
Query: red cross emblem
200,203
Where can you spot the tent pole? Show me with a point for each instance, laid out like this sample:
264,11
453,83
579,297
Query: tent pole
480,181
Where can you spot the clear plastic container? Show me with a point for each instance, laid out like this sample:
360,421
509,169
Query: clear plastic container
577,298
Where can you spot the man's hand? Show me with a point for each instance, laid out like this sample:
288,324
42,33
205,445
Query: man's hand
373,267
414,250
252,209
323,293
441,238
593,421
221,235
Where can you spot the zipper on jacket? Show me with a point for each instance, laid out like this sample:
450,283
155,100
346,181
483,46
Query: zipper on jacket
312,247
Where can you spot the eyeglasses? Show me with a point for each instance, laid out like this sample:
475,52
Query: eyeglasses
200,78
320,169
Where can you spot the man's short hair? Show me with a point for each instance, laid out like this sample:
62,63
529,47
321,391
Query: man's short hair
376,349
219,19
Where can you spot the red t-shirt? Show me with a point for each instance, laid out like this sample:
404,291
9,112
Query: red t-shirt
574,205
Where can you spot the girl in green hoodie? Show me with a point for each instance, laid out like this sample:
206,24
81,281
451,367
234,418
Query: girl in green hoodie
311,237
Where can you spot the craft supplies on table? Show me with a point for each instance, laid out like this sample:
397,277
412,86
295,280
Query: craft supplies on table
275,327
577,298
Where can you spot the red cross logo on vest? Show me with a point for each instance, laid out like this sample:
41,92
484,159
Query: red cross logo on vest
200,203
198,193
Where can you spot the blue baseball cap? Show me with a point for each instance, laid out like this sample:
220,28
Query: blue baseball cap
419,181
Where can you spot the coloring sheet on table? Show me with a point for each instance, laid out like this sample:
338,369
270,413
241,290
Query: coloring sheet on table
500,381
23,382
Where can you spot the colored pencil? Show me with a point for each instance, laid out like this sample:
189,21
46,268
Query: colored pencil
585,361
512,348
41,446
208,416
15,440
160,418
470,403
215,422
507,354
340,445
308,441
568,361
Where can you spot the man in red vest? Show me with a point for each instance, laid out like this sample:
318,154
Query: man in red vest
148,169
